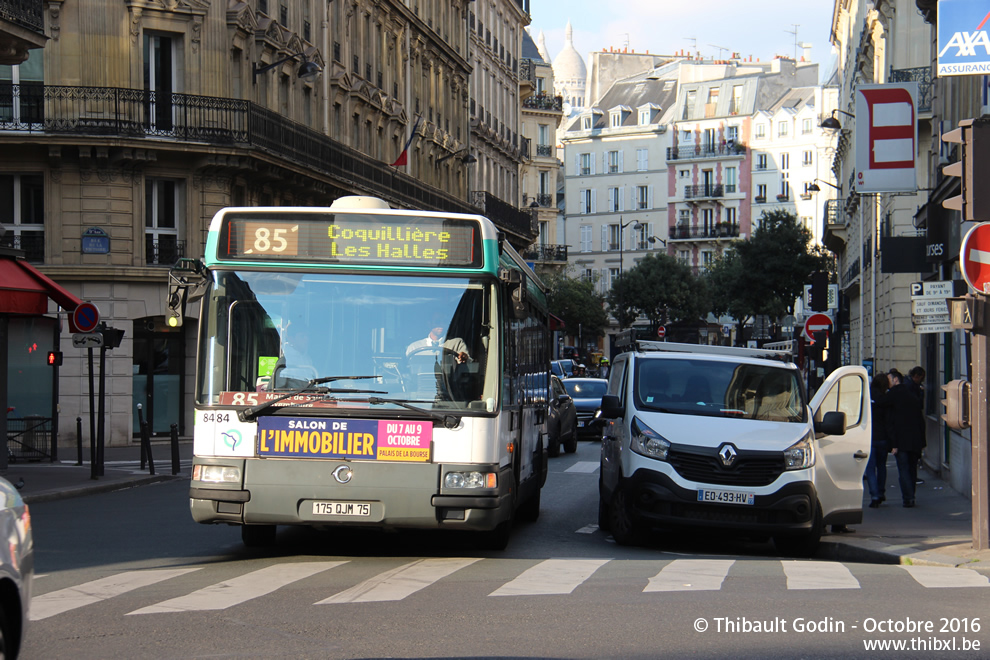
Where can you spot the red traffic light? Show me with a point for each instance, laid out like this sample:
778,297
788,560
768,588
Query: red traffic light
54,358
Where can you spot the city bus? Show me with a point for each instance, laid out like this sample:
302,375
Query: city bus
360,366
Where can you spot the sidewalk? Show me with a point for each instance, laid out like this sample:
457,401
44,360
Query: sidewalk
937,532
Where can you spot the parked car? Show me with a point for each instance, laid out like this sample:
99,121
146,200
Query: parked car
16,569
725,438
567,367
587,394
562,420
556,369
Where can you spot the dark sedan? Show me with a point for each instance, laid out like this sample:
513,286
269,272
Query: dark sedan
562,424
587,395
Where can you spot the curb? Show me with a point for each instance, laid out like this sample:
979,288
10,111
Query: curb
876,552
105,487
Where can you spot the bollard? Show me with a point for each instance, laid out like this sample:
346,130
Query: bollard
78,440
175,448
145,443
144,453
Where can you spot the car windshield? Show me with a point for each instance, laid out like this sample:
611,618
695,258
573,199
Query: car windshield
586,389
721,389
420,340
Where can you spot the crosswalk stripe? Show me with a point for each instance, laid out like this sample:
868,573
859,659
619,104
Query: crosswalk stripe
87,593
586,467
939,577
400,582
691,575
238,590
818,575
552,576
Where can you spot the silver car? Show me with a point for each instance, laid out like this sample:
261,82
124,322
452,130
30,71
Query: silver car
16,569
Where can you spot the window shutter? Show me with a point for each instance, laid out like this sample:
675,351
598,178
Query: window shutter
649,196
621,192
581,199
620,160
594,201
593,161
604,238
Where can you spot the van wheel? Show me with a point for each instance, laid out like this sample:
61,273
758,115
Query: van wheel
803,545
496,539
258,536
620,522
553,447
530,509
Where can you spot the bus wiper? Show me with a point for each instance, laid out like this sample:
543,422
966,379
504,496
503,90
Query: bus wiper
250,414
448,421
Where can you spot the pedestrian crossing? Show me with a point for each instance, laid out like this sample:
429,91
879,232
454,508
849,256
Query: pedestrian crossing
517,578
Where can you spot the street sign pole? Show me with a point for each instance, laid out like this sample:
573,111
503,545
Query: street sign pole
979,421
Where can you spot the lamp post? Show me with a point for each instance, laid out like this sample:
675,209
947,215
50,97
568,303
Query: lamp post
307,69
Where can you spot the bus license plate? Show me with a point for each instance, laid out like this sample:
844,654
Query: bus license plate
358,509
724,496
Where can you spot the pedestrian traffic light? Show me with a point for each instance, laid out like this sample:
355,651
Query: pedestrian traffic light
956,402
819,291
54,358
973,138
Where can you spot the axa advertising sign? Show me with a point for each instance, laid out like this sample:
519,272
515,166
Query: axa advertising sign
886,137
963,42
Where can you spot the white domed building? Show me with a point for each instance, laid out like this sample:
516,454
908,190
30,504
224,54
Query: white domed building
570,75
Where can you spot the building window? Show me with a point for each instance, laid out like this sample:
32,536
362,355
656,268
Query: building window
736,104
586,164
781,129
586,123
644,117
684,174
614,239
614,200
684,217
642,235
688,105
643,197
732,133
614,162
805,126
642,160
807,158
587,200
616,119
731,180
586,238
785,162
22,209
730,216
761,193
761,130
613,275
785,188
761,161
162,221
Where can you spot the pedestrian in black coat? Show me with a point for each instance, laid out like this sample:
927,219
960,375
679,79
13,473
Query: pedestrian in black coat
907,424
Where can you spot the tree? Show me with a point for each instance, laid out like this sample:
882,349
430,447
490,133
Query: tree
661,288
767,273
574,301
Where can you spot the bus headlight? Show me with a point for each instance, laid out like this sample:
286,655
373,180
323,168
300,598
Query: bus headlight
648,442
217,474
470,480
800,455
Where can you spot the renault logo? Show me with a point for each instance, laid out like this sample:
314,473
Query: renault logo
728,454
343,474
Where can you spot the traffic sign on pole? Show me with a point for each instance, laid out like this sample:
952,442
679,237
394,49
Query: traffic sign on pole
661,332
817,323
974,257
85,317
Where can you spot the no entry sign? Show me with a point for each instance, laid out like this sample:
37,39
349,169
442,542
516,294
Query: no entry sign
817,323
974,255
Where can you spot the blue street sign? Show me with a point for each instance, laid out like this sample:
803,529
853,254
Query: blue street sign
95,241
963,42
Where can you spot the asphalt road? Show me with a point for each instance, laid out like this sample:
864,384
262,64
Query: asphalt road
129,575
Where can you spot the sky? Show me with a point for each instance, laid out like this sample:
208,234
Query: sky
761,28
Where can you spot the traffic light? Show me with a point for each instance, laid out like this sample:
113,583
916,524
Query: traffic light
54,358
819,291
956,402
176,306
973,138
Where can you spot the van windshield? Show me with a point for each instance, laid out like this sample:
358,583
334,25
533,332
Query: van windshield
720,389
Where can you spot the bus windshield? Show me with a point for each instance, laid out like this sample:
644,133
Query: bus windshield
424,341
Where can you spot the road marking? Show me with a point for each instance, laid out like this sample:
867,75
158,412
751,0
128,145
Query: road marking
587,529
691,575
938,577
400,582
586,467
818,575
553,576
241,589
87,593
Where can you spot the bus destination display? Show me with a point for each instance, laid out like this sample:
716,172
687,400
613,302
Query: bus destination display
353,239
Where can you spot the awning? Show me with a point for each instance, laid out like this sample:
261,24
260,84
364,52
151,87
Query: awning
556,323
25,290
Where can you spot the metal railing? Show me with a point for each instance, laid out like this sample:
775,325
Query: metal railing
163,252
510,217
233,123
29,438
546,150
32,243
923,76
831,212
26,13
719,230
544,102
703,191
546,253
705,151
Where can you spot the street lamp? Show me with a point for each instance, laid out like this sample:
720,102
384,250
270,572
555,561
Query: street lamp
622,242
832,123
813,187
308,69
467,159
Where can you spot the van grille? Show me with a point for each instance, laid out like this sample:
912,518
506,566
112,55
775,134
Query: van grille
749,468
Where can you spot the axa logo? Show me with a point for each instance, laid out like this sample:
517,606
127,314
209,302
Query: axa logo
966,43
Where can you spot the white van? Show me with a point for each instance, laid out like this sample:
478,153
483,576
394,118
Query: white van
717,437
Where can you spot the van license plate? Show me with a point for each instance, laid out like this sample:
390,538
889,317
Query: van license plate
724,496
359,509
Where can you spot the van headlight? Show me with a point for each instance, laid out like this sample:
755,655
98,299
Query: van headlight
800,455
647,442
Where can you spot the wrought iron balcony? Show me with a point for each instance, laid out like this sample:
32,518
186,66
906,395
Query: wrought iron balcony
718,230
511,218
544,200
233,123
25,13
544,102
31,242
546,253
703,191
923,76
545,150
163,252
687,152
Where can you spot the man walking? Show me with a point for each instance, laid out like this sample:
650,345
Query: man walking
908,426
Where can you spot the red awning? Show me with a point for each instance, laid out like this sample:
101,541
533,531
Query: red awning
556,323
25,290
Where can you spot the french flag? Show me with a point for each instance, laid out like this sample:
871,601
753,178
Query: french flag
403,158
